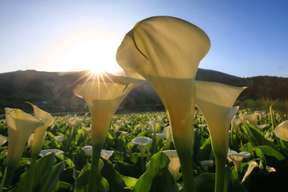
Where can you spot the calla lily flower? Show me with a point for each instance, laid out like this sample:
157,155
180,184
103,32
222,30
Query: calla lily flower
45,152
166,51
262,126
250,117
235,123
215,100
3,140
168,133
174,164
105,154
237,158
252,165
37,138
20,126
141,140
281,131
103,98
59,138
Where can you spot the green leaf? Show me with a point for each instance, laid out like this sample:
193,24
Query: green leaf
269,151
164,181
83,176
113,177
41,176
50,182
158,162
255,136
130,182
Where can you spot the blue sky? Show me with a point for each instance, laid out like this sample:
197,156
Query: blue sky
248,37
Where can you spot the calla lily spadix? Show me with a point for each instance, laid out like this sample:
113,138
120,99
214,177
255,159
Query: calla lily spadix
20,126
103,96
37,138
216,100
166,51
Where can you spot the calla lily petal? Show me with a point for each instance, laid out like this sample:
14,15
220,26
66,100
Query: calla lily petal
251,117
163,46
49,151
281,131
166,51
141,140
252,165
105,154
59,138
215,101
236,157
3,140
37,138
20,126
103,98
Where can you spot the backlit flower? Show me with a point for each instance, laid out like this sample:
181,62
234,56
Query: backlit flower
103,97
20,126
281,131
37,138
166,51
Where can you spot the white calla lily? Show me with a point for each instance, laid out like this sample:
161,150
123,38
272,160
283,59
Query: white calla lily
166,51
141,140
250,117
105,154
262,126
37,138
281,131
216,100
142,143
45,152
103,95
59,138
20,126
3,140
103,98
252,165
237,158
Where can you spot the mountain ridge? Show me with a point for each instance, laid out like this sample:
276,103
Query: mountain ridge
53,91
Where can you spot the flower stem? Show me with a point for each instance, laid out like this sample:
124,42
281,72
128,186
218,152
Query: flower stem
3,180
220,175
10,174
32,169
187,170
95,172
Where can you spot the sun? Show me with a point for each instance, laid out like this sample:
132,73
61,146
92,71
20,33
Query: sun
91,51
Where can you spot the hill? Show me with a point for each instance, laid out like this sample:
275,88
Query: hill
53,91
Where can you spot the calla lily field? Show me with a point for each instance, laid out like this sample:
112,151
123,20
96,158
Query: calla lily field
203,142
